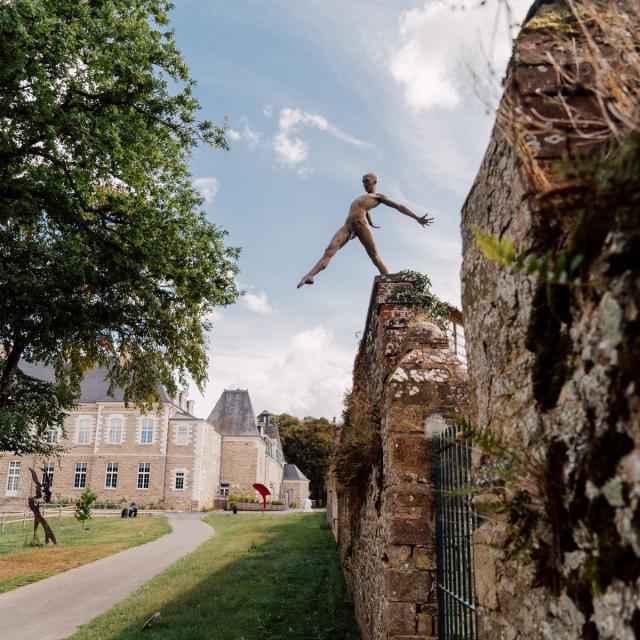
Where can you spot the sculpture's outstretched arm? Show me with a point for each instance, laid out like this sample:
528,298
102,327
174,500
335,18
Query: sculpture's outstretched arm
424,220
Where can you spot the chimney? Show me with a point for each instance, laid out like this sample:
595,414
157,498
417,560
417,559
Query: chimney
190,405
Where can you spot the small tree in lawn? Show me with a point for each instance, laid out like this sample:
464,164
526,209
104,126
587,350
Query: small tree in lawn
84,504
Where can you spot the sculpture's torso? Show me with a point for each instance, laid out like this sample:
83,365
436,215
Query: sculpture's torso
361,205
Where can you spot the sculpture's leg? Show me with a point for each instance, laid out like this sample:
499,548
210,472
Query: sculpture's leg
340,238
366,237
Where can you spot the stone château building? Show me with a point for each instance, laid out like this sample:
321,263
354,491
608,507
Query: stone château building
164,458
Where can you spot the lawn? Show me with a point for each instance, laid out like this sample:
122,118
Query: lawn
21,564
260,577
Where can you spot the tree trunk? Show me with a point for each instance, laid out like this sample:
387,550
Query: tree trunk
13,358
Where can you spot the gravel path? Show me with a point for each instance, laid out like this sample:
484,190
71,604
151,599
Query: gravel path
54,608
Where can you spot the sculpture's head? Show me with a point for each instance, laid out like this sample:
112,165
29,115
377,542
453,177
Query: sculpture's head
369,181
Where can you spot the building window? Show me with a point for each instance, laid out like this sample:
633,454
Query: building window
115,430
183,435
224,489
84,430
179,481
52,436
146,431
80,477
48,470
12,479
144,471
112,475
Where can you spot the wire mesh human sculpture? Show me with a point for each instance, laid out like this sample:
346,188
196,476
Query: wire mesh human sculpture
357,226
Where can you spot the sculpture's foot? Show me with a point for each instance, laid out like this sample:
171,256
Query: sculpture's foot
305,280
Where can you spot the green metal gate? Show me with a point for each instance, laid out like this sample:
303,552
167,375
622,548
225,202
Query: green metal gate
455,522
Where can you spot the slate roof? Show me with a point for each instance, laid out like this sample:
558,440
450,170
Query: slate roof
93,388
233,414
291,472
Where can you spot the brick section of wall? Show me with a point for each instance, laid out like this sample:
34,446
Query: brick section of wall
386,534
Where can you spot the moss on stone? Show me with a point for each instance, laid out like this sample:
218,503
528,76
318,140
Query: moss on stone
557,19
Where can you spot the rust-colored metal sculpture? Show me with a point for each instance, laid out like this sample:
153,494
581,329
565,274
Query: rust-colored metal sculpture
43,489
357,226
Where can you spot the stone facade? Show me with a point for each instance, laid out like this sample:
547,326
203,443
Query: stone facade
242,462
554,370
386,529
164,459
104,443
251,451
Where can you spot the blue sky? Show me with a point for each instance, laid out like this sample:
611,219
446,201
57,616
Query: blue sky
317,93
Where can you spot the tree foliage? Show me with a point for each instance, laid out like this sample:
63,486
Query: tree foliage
307,444
106,257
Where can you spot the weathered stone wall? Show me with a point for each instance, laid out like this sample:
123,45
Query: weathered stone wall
555,369
386,526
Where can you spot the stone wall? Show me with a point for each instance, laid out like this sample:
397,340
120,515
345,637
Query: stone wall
386,525
554,369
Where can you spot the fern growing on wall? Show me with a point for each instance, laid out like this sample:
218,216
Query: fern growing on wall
559,268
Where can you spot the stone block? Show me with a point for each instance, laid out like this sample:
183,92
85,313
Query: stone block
411,638
398,556
486,560
536,79
408,531
400,617
425,558
412,454
427,624
402,419
415,501
547,145
412,587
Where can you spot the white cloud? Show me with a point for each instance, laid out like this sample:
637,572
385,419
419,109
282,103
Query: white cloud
257,302
252,136
302,374
267,110
207,186
293,152
428,62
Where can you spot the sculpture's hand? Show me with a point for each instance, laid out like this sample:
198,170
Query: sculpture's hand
424,220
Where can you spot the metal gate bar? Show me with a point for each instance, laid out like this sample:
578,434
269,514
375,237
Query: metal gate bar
455,523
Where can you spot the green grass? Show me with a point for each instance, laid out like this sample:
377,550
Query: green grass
21,564
258,578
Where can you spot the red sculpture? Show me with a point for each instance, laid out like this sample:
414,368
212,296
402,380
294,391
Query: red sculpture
264,492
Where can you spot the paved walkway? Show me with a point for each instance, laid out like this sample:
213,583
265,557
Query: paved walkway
53,608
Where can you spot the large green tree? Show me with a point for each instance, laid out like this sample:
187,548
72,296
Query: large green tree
106,257
307,444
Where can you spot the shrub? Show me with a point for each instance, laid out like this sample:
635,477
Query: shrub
84,504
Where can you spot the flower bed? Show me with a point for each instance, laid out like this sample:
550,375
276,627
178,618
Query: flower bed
254,506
